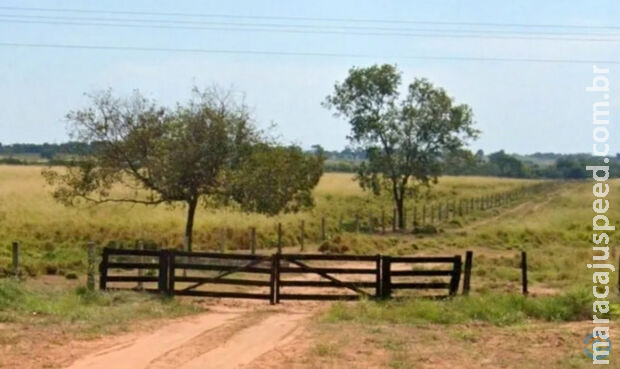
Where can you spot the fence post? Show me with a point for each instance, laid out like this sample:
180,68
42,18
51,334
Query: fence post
276,278
103,269
172,261
301,235
279,238
524,272
140,271
162,281
456,275
273,279
469,258
90,277
253,240
378,277
386,276
15,253
323,231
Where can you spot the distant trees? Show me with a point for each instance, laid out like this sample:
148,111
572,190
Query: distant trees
404,138
206,151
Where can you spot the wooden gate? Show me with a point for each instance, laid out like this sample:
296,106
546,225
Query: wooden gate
363,278
280,276
223,275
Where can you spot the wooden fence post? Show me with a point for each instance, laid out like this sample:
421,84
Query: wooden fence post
323,231
456,275
378,279
103,269
15,253
162,281
524,272
172,261
140,246
469,258
253,240
386,275
273,279
90,276
279,238
301,235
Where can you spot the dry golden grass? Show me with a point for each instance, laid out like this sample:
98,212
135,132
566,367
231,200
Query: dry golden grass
49,230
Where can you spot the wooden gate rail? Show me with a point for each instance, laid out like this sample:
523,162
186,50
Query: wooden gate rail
250,264
300,261
454,273
106,265
274,267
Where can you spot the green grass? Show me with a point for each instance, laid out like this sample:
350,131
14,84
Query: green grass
496,309
84,312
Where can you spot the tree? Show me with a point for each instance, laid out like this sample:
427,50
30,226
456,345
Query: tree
197,152
504,165
403,138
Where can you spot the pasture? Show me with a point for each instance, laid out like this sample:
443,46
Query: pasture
53,236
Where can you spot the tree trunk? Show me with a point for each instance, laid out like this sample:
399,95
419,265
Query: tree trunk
189,225
400,210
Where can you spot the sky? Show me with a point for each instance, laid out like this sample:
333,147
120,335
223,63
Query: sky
521,107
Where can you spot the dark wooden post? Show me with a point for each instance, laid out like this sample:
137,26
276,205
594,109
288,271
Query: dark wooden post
253,240
386,275
90,276
162,281
103,269
524,272
140,246
302,227
378,276
172,261
279,238
273,279
456,275
15,253
276,278
469,258
323,231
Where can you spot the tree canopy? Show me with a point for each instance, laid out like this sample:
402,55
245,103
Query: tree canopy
405,137
205,150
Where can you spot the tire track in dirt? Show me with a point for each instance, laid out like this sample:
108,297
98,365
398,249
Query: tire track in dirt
250,343
139,353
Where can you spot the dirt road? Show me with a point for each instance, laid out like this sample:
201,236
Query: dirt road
222,339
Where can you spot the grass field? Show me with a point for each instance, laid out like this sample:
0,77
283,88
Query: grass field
53,235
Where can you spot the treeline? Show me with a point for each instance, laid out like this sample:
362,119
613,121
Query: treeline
498,164
464,162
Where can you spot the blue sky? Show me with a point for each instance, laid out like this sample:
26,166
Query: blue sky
520,107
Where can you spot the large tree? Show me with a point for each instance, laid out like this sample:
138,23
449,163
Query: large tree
404,138
206,150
